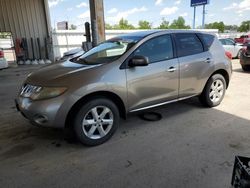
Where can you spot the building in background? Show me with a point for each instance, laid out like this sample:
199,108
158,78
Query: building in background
28,21
64,25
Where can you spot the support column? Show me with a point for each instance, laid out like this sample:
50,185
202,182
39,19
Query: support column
194,17
97,21
203,16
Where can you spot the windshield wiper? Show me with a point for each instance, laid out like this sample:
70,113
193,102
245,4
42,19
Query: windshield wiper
83,61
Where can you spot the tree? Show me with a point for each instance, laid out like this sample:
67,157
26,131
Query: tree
73,27
216,25
245,26
123,24
231,27
164,24
143,24
179,24
108,26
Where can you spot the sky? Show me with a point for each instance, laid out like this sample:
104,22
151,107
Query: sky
77,11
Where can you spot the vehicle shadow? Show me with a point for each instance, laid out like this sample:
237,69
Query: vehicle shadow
20,129
205,140
241,71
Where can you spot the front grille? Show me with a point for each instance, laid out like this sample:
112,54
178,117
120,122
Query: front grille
28,89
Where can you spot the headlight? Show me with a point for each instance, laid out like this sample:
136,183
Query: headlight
38,93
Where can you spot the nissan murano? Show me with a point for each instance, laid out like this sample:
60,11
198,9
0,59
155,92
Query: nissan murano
128,73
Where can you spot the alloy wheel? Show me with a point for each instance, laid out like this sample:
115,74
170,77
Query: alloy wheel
216,91
97,122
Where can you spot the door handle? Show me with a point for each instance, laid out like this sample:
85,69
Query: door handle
208,60
171,69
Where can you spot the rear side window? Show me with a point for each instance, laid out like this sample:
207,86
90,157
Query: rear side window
222,41
188,44
229,42
207,40
157,49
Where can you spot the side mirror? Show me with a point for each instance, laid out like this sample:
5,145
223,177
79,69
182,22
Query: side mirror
138,61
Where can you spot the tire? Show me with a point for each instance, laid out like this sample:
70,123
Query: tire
245,67
214,91
96,121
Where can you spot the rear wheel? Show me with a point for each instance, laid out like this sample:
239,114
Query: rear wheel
214,91
96,121
245,67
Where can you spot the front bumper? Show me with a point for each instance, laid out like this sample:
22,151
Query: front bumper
42,113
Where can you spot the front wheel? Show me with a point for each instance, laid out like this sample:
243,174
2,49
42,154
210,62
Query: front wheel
96,121
214,91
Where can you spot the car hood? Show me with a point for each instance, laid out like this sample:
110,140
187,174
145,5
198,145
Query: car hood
55,71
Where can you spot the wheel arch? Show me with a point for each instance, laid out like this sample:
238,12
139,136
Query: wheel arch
104,94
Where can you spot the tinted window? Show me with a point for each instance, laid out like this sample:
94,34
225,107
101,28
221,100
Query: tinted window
156,49
188,44
244,36
207,40
222,41
229,42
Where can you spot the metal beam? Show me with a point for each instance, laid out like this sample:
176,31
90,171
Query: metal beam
194,17
47,15
97,21
203,16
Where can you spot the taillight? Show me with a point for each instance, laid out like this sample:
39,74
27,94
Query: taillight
229,55
1,54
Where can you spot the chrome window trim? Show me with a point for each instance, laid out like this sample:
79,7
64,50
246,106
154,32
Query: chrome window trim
163,103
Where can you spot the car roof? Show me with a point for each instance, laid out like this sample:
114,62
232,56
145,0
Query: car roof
150,32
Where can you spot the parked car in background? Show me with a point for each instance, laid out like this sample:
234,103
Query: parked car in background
245,58
229,55
231,40
128,73
3,61
71,54
243,39
234,48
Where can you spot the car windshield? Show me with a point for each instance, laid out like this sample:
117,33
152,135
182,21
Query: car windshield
107,51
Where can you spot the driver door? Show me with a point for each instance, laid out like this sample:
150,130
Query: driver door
158,82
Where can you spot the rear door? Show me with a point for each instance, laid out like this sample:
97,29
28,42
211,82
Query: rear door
196,63
159,81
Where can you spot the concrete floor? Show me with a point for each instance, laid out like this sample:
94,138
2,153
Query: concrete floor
191,146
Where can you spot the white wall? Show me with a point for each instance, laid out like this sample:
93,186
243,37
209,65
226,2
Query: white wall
66,40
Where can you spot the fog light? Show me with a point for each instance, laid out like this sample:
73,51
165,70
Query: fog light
40,119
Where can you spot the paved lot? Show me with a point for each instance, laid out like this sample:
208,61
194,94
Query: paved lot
191,146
